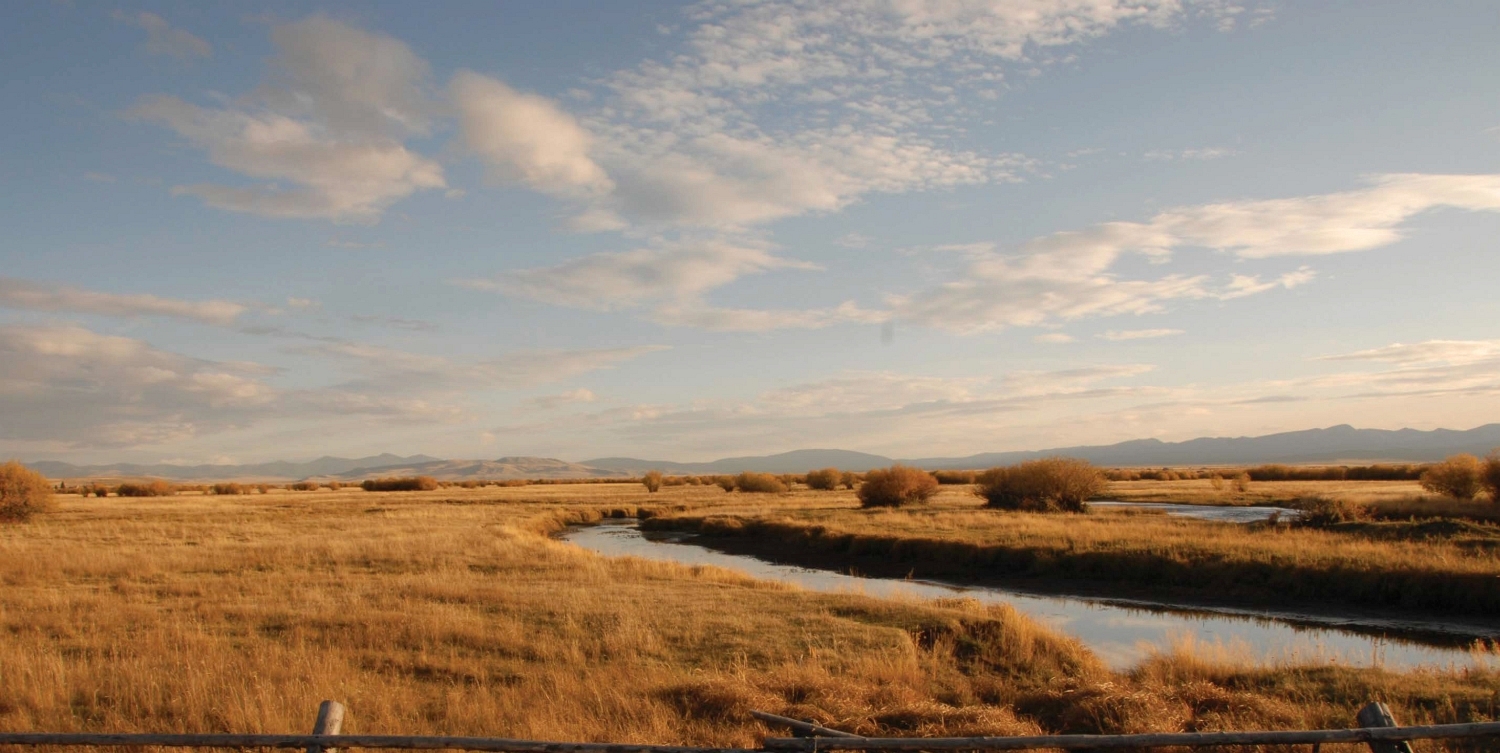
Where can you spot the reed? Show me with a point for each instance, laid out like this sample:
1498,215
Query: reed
451,612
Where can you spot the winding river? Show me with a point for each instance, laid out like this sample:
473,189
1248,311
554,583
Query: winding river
1120,632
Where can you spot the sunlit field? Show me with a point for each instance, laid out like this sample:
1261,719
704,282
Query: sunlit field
452,611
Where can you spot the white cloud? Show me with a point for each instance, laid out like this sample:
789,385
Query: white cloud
1431,352
1138,334
163,39
69,385
1243,285
670,280
354,81
779,110
385,370
526,137
1199,154
670,271
338,179
331,122
552,402
1054,338
715,318
23,294
1069,275
853,240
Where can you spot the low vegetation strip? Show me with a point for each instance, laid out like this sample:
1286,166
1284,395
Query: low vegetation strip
449,612
1431,568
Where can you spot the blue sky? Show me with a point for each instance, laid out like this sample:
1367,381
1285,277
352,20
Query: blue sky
686,231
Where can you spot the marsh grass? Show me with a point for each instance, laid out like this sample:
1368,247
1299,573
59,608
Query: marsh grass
1401,567
451,612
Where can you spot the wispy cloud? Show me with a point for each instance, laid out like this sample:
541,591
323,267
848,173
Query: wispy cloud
1138,334
164,39
330,123
24,294
1069,275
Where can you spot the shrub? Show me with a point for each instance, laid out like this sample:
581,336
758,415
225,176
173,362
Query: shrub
407,484
228,489
263,488
1491,475
652,480
1242,482
1457,477
825,480
1326,511
23,492
850,479
305,486
725,482
1217,482
1048,484
157,488
896,486
759,482
955,477
334,485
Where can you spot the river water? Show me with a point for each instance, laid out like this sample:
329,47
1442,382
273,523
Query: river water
1121,633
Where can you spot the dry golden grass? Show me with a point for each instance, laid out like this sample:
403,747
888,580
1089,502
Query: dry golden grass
451,612
1430,568
1202,491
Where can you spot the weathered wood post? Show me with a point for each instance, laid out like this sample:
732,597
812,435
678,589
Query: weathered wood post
330,720
1378,714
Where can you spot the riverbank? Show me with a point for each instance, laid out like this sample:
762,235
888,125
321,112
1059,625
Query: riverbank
448,612
1420,570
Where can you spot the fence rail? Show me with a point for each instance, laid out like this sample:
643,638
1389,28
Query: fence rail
1378,730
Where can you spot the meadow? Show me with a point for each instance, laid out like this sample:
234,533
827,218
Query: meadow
1414,567
452,611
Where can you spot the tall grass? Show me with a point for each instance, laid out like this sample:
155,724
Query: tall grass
450,612
652,481
23,492
896,486
406,484
1047,484
764,483
1460,477
826,479
157,488
1400,568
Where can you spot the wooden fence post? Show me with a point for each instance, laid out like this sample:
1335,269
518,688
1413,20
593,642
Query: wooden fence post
330,720
1378,714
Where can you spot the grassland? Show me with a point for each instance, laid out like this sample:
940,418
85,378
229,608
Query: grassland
1421,569
452,612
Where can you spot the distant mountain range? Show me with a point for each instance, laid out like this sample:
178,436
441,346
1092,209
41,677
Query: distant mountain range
479,470
1335,444
324,466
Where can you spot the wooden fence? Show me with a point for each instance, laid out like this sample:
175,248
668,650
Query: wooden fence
1377,729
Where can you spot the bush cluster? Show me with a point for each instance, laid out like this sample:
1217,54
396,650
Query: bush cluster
759,482
652,480
407,484
1045,485
826,479
305,486
1491,475
1460,477
228,489
23,492
896,486
157,488
955,477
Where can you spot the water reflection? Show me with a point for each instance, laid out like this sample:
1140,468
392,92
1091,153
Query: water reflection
1120,634
1220,513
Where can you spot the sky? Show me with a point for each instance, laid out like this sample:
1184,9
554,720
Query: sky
237,233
